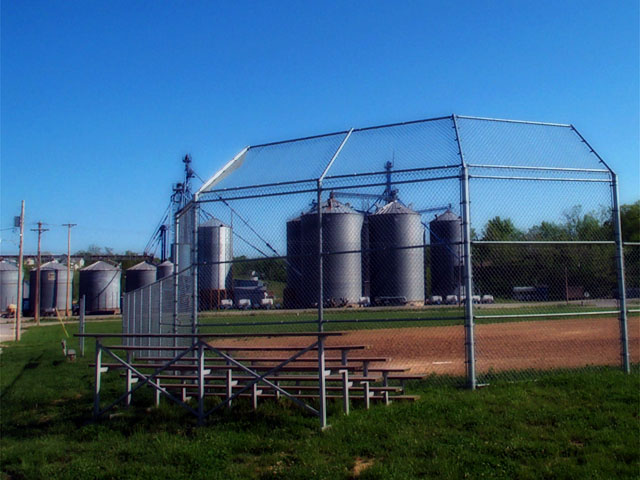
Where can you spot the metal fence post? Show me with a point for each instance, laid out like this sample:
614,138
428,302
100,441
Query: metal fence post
321,358
194,266
468,283
81,324
320,261
176,280
138,340
96,393
148,342
622,294
467,266
160,319
201,380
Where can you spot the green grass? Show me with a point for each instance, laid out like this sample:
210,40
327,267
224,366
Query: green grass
354,319
574,425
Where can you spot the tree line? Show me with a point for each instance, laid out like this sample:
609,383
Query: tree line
499,268
562,270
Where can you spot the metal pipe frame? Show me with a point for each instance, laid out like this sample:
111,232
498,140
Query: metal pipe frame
149,315
200,345
468,268
262,377
551,169
313,181
542,179
81,323
346,187
624,338
325,254
543,242
321,358
333,322
131,317
322,386
194,267
138,327
160,313
584,140
622,294
524,122
362,129
335,155
211,335
176,277
534,315
146,379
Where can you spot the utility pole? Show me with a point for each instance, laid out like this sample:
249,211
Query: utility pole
19,299
68,301
40,231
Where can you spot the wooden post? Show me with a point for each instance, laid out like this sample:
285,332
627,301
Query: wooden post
69,226
20,254
40,230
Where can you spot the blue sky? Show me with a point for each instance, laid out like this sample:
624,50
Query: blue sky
100,100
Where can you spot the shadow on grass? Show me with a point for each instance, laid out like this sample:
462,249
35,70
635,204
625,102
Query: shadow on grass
31,365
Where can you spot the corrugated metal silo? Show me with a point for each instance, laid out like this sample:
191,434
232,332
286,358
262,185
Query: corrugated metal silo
26,287
396,269
215,253
8,284
53,287
446,254
139,275
165,269
292,293
342,272
100,284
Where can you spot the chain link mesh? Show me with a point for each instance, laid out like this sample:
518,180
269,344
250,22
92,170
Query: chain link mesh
369,223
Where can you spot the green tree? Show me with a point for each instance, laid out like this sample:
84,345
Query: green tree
630,222
547,231
498,229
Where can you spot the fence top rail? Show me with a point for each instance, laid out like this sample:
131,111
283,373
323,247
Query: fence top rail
209,335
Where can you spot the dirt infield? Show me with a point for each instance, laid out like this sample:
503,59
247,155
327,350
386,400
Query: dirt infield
499,346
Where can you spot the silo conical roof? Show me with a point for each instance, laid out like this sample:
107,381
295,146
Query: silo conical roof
395,208
100,265
213,222
332,206
53,265
142,266
447,216
7,266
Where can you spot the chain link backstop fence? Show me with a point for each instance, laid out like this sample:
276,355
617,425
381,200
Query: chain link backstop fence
461,248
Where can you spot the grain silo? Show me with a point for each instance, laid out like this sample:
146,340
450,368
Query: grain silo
139,275
8,285
215,254
342,261
292,292
100,284
165,269
53,287
446,254
396,236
